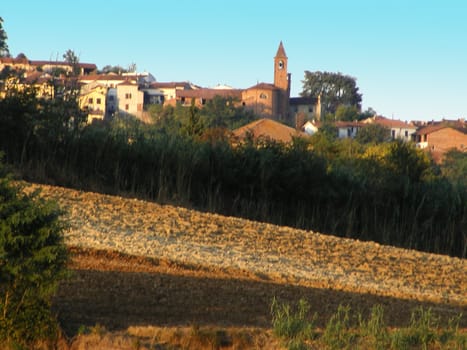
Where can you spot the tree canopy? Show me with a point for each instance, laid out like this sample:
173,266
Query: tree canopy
32,261
374,133
335,89
4,52
72,58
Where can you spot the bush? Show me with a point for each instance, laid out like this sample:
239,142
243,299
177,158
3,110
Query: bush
338,334
32,261
294,328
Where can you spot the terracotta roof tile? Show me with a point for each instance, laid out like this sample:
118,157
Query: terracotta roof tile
103,77
391,123
171,85
343,124
209,93
263,86
268,128
433,128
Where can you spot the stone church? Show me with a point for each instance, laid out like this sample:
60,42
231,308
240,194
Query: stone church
267,100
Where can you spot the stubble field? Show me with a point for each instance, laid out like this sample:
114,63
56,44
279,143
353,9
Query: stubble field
141,264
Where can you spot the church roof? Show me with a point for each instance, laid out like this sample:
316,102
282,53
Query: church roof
268,128
209,93
281,51
263,86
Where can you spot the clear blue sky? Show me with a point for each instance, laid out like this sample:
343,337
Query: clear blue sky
409,57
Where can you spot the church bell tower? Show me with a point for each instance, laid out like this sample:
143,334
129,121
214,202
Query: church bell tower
280,68
282,80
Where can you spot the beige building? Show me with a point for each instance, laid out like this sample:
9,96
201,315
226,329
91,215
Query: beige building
93,99
169,90
24,64
130,99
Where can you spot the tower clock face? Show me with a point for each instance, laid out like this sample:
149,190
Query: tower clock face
281,64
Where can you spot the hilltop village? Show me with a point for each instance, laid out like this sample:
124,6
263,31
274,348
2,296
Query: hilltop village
280,116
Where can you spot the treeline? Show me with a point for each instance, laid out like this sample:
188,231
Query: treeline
388,192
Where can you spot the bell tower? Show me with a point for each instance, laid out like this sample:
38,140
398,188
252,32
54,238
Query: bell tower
282,82
280,68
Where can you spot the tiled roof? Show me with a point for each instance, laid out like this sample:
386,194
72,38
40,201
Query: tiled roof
103,77
128,83
433,128
60,63
263,86
171,85
209,93
36,78
295,101
268,128
390,123
12,60
342,124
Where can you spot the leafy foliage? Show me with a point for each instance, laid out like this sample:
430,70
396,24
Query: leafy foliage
32,261
335,89
4,52
373,133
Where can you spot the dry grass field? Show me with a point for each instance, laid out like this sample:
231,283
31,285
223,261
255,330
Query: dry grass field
149,275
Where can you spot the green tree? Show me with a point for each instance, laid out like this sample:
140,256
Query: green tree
112,69
454,167
132,68
373,133
222,112
347,113
4,52
193,127
32,262
72,58
334,88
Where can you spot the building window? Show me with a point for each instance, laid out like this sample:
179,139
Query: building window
127,107
393,134
98,101
406,134
263,96
90,101
127,96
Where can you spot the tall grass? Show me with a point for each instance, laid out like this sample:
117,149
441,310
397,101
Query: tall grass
397,198
350,330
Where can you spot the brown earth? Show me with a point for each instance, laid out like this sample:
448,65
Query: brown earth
136,263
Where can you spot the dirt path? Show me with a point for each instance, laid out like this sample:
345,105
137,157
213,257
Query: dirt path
137,262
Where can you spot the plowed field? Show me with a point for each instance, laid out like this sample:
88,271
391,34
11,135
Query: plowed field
138,263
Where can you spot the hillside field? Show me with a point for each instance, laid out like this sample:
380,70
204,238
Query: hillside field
151,266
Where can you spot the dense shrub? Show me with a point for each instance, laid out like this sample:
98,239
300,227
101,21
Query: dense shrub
32,261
